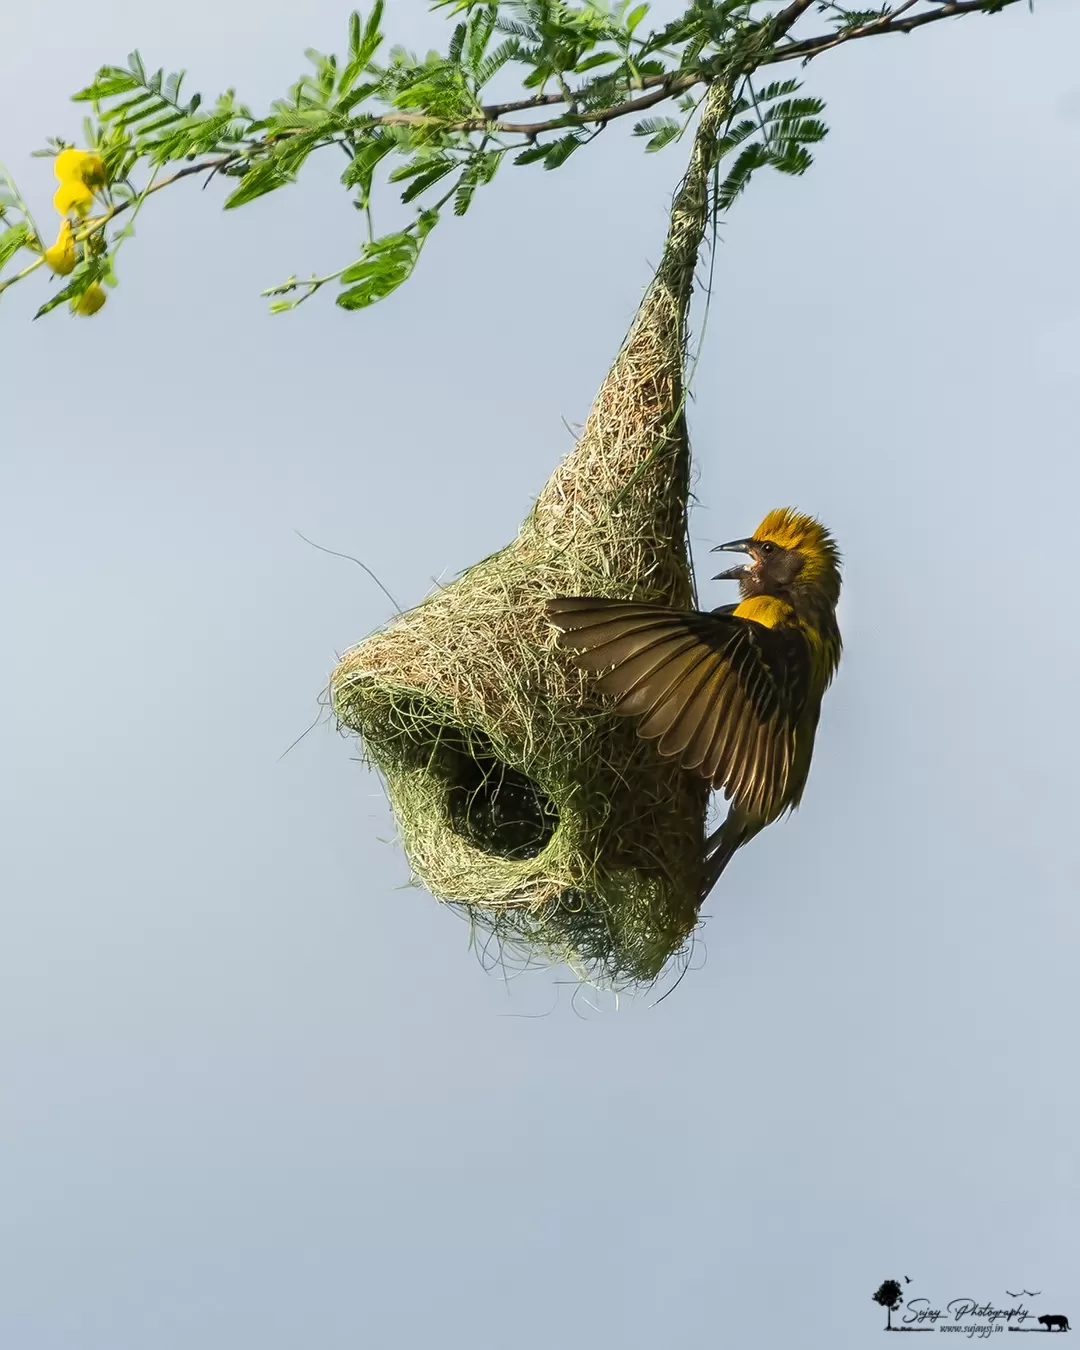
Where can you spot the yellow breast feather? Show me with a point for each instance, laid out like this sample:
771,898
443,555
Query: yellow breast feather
765,609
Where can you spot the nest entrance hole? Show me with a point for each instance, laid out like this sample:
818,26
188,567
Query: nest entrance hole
496,807
493,805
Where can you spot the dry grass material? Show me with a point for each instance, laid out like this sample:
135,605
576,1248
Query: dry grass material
517,794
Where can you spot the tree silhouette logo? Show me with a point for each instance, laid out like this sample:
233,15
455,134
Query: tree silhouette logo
890,1296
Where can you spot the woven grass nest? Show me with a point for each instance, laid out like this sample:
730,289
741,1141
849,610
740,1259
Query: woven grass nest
517,794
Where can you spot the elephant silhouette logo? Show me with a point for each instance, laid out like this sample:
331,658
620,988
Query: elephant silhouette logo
1051,1320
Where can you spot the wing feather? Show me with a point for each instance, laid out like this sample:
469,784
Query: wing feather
738,761
663,723
644,679
719,693
714,757
703,716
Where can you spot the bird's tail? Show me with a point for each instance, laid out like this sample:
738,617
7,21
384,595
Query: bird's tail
722,845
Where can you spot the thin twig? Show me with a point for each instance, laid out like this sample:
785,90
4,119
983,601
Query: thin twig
812,47
211,166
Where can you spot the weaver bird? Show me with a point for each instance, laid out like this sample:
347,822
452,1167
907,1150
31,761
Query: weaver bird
734,694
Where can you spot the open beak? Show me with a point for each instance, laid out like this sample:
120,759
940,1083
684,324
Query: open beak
733,573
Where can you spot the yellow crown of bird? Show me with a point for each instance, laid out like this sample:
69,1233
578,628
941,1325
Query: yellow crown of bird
790,529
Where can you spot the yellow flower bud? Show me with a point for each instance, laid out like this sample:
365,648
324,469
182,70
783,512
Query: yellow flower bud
92,171
91,300
80,166
61,257
68,164
75,196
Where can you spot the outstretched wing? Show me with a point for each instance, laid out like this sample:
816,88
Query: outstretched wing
719,693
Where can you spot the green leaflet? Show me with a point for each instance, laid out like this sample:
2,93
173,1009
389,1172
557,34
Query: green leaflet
260,180
11,240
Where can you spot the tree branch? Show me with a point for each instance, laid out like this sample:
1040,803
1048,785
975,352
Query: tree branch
671,84
96,223
889,23
667,86
784,20
660,87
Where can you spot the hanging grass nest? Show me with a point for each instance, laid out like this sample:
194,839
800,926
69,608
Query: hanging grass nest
518,795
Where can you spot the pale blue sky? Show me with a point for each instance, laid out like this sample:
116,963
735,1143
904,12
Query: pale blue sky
254,1093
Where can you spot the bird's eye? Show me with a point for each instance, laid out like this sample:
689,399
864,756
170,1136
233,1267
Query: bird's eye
766,548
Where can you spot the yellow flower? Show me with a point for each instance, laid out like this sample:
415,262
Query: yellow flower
75,196
68,164
80,166
92,171
91,300
61,257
